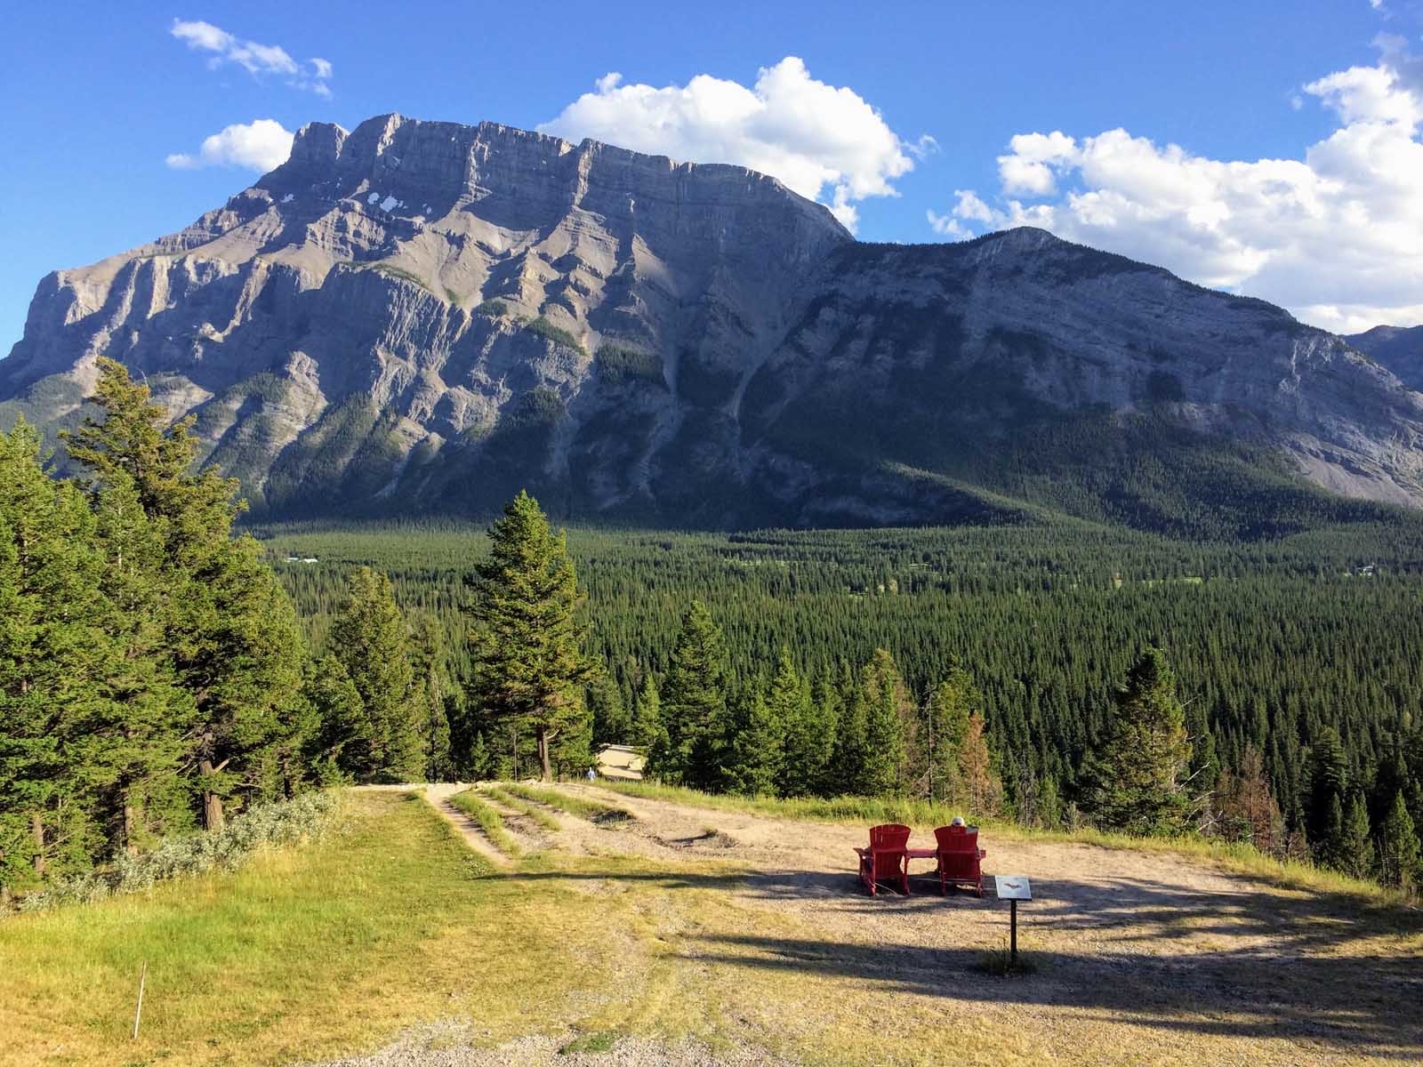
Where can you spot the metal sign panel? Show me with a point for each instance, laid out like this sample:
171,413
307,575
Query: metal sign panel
1013,887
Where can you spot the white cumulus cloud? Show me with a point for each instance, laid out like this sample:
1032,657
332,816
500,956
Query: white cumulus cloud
1336,235
257,59
259,145
824,142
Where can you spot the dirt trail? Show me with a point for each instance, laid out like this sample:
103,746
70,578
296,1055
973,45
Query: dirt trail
437,795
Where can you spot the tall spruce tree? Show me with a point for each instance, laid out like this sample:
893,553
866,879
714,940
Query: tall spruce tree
612,725
946,718
807,738
1328,781
527,644
883,769
430,691
1139,785
647,728
1356,856
694,709
230,630
1398,848
51,653
847,773
755,754
372,642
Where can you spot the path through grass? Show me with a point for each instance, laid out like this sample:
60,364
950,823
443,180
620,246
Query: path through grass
305,953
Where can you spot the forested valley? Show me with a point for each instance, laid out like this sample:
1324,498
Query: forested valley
159,673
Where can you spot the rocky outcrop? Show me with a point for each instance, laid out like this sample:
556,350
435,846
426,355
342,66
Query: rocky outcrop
423,315
1399,348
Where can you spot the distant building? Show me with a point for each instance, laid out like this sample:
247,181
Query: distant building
621,762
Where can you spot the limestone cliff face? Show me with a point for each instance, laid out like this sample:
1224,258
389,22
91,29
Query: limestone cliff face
423,315
1399,348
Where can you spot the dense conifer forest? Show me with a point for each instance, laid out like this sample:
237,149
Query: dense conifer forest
1279,650
162,669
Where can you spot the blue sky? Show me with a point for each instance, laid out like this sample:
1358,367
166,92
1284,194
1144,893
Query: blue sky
100,96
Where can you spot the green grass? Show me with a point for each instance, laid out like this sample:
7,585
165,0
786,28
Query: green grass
1235,856
523,807
580,806
304,954
489,820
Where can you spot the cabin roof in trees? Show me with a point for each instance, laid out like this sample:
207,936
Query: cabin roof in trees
621,761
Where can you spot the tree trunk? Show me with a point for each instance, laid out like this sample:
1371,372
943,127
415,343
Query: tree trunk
37,832
130,821
213,818
544,738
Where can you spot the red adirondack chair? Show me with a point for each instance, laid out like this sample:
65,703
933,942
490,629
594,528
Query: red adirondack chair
959,857
885,859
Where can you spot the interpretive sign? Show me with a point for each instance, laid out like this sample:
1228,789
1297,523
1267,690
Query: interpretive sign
1014,887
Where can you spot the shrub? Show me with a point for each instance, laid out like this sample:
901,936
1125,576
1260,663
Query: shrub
556,334
274,824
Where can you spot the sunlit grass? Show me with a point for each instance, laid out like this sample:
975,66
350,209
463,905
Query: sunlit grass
489,820
579,806
304,953
523,807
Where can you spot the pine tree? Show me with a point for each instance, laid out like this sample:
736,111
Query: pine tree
1356,857
694,711
827,708
611,723
807,737
756,751
341,734
371,640
882,771
230,630
481,760
647,728
946,718
1139,787
983,792
1398,851
1246,808
49,607
1328,781
847,775
529,666
431,688
136,738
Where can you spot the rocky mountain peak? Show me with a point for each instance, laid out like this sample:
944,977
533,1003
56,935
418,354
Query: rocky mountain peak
423,314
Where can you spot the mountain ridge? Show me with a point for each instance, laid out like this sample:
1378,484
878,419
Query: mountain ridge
427,316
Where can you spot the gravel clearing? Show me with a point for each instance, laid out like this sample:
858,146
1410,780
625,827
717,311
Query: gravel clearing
448,1045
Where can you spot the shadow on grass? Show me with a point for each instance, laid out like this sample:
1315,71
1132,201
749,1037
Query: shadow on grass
1257,965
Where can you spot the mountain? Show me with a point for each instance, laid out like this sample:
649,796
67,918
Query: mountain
423,316
1399,348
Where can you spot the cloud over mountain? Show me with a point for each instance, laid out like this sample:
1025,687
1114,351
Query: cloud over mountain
823,141
1336,236
261,145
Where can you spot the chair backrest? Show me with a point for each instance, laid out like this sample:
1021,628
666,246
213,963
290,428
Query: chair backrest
957,838
890,837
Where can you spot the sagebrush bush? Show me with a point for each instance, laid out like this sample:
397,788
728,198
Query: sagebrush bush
277,823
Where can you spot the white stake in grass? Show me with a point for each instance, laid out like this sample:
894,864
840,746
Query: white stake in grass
138,1012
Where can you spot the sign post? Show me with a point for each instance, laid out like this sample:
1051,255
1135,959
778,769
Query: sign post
1013,888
